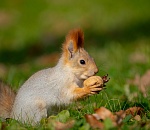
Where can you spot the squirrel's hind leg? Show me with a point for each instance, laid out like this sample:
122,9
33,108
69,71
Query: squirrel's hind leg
40,111
32,113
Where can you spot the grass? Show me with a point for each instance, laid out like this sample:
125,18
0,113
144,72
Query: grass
115,32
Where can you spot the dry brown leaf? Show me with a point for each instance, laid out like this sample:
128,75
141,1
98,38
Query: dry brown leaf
137,118
121,113
94,123
138,58
120,116
142,82
64,126
145,82
103,113
134,111
3,125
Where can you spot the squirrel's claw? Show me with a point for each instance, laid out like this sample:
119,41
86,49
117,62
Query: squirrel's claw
105,79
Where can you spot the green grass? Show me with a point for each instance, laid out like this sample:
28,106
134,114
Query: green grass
114,33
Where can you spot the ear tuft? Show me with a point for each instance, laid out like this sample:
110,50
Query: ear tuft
74,41
76,37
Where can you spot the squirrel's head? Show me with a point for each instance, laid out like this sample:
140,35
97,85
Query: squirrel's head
76,58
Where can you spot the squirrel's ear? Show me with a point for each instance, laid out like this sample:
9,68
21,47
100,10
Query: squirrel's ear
74,41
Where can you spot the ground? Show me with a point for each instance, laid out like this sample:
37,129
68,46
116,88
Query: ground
117,35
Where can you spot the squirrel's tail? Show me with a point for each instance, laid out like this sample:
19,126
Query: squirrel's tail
7,97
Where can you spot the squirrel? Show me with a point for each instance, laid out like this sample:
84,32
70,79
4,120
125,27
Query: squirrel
71,79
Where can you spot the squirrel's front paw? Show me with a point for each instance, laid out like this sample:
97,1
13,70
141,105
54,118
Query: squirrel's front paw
105,79
94,84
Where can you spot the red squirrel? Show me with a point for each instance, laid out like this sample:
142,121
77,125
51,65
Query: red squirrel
72,78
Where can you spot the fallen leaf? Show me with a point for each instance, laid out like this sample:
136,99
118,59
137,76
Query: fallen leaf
145,82
120,116
3,125
94,123
64,126
137,118
103,113
59,122
134,111
53,123
113,119
138,58
142,82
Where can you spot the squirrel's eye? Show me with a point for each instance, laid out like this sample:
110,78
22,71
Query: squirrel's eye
82,62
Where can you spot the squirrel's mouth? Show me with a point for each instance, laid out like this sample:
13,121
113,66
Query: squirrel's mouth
84,77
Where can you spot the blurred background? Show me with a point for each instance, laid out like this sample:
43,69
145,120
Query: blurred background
117,35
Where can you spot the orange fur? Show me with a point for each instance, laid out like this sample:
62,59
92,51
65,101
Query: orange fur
7,97
75,36
80,93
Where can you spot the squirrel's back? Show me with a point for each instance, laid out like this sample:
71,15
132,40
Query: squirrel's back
7,97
